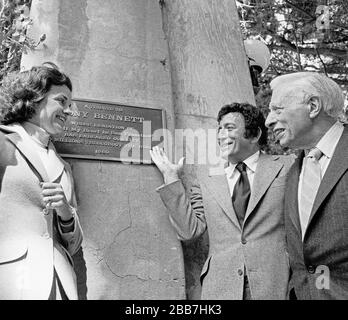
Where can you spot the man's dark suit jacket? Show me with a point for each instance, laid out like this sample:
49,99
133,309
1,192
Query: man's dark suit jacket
324,249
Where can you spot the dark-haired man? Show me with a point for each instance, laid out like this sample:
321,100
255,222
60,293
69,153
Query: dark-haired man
242,208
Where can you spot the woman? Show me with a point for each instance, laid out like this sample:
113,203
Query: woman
39,227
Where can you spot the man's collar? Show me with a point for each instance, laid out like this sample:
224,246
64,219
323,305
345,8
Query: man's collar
251,163
329,140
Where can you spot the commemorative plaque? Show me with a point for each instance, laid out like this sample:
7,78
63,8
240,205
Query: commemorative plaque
109,131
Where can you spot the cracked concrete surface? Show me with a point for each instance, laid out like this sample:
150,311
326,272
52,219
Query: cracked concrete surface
131,250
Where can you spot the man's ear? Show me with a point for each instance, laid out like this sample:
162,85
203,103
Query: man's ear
315,107
257,138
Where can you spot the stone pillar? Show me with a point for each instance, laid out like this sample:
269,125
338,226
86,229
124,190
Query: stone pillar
208,69
115,51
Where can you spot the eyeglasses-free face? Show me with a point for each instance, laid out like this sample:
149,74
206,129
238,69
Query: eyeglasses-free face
54,110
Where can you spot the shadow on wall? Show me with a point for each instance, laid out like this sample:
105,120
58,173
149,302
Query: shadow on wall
195,253
81,274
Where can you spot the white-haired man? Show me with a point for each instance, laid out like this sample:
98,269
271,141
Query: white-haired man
304,112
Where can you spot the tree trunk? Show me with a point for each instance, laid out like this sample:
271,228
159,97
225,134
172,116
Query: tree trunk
208,69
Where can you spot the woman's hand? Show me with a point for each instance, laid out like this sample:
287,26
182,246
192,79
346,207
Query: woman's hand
54,198
169,170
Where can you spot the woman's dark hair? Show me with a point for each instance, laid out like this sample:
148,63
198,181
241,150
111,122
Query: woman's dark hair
253,118
21,92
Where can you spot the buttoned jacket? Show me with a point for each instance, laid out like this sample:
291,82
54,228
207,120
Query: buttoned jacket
257,247
319,263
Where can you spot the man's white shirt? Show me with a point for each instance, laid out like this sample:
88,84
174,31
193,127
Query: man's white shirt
232,174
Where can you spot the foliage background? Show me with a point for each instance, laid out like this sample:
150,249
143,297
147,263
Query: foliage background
302,35
14,23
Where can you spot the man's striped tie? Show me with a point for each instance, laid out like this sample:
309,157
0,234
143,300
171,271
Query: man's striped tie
310,184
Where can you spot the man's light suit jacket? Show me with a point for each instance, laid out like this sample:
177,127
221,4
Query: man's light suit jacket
31,243
319,263
257,247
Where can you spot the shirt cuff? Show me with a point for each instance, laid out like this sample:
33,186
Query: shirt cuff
166,184
68,225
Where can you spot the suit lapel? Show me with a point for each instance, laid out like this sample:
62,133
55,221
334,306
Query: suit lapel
337,166
29,155
266,171
291,192
218,186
